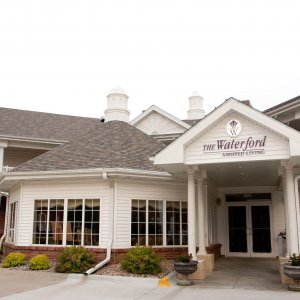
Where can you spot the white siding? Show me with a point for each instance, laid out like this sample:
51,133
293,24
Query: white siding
276,146
278,218
15,194
128,190
63,189
155,123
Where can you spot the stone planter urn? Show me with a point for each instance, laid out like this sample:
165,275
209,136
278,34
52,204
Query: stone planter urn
294,273
185,268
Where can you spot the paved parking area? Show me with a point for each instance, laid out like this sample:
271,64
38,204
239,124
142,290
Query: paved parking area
15,281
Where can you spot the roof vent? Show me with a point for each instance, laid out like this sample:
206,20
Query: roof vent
117,101
195,107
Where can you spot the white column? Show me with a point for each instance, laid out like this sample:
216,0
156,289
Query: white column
287,231
201,217
191,215
291,210
1,158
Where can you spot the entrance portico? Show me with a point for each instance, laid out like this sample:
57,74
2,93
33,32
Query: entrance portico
242,172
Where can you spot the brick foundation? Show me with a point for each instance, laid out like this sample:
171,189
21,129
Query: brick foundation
214,249
116,256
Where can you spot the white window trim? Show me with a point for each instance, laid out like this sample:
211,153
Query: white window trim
64,242
164,245
15,204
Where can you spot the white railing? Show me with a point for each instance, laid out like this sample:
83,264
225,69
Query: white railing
7,168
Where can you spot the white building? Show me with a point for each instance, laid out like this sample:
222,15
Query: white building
226,181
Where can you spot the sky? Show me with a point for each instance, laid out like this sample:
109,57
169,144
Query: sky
64,56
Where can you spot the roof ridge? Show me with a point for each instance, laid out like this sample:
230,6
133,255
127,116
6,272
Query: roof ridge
48,113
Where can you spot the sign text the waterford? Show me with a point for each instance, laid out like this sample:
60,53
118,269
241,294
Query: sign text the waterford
237,147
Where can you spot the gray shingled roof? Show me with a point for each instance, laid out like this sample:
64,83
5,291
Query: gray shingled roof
114,144
288,102
42,126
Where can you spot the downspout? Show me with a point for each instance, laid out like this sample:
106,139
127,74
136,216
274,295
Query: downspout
296,184
108,249
5,218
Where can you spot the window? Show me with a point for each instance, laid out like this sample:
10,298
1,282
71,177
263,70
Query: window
176,223
48,222
85,212
12,222
150,217
81,223
155,223
74,222
138,222
92,222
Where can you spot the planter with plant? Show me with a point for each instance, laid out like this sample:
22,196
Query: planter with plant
185,265
292,270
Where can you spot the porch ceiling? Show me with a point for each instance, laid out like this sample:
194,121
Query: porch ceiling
256,173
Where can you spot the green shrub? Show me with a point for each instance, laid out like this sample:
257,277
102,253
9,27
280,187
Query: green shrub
14,259
75,260
39,262
141,260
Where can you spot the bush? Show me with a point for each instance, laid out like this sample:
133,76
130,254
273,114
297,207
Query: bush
14,259
141,260
75,260
39,262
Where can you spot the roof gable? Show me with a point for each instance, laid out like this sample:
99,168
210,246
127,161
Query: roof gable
175,152
155,121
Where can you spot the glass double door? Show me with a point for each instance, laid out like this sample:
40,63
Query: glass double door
249,230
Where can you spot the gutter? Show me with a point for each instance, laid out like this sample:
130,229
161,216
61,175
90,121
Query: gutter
103,262
296,184
113,185
81,172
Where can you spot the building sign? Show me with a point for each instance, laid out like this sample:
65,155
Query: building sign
233,128
233,147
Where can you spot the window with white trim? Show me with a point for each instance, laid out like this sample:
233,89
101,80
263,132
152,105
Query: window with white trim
12,222
176,223
48,222
158,223
66,222
83,222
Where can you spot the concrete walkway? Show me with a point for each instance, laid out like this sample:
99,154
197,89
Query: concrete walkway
244,273
234,279
14,281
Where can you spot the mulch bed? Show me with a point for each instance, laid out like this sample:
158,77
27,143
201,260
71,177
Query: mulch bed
116,270
111,270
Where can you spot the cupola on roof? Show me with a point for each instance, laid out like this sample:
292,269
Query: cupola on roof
117,102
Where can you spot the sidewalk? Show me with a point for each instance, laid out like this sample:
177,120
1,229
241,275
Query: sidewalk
81,287
234,279
15,281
